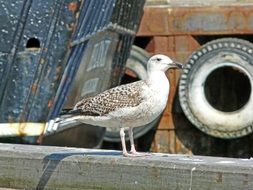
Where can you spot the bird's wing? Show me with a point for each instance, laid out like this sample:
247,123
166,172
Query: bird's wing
127,95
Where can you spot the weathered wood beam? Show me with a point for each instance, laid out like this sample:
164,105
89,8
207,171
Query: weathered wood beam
43,167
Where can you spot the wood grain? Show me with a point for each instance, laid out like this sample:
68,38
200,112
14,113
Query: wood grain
43,167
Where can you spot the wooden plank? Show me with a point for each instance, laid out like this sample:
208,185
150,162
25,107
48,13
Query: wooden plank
42,167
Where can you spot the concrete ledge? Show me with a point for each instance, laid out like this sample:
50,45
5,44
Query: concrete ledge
42,167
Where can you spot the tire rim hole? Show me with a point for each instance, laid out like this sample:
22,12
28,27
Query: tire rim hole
227,89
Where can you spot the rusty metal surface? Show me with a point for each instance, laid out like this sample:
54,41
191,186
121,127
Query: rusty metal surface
205,20
174,31
69,33
29,79
175,134
188,3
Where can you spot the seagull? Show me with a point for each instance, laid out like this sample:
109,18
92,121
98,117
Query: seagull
127,106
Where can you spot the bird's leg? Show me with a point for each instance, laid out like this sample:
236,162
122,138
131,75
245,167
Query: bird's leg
133,150
123,142
131,137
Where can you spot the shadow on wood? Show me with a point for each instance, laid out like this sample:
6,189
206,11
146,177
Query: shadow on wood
51,161
44,168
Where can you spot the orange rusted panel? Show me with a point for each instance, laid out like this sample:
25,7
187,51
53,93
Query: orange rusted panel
176,46
160,142
208,20
176,32
168,141
166,122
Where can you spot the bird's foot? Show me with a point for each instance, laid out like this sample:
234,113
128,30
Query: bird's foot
130,155
140,153
136,154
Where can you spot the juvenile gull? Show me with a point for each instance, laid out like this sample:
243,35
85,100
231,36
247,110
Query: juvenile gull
130,105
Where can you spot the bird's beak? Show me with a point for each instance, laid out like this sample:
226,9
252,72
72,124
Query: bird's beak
177,65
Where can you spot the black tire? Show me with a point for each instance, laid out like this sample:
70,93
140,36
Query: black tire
226,52
137,64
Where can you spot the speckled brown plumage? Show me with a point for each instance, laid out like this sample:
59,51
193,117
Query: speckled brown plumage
121,96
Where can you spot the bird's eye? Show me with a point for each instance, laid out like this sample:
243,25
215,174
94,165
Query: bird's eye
158,59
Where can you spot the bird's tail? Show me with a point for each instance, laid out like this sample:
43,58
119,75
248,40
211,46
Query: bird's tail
65,121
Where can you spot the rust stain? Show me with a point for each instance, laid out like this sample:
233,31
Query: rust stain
219,178
34,88
58,73
41,136
72,6
58,70
21,129
50,103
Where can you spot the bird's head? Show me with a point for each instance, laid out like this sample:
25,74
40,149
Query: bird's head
162,63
